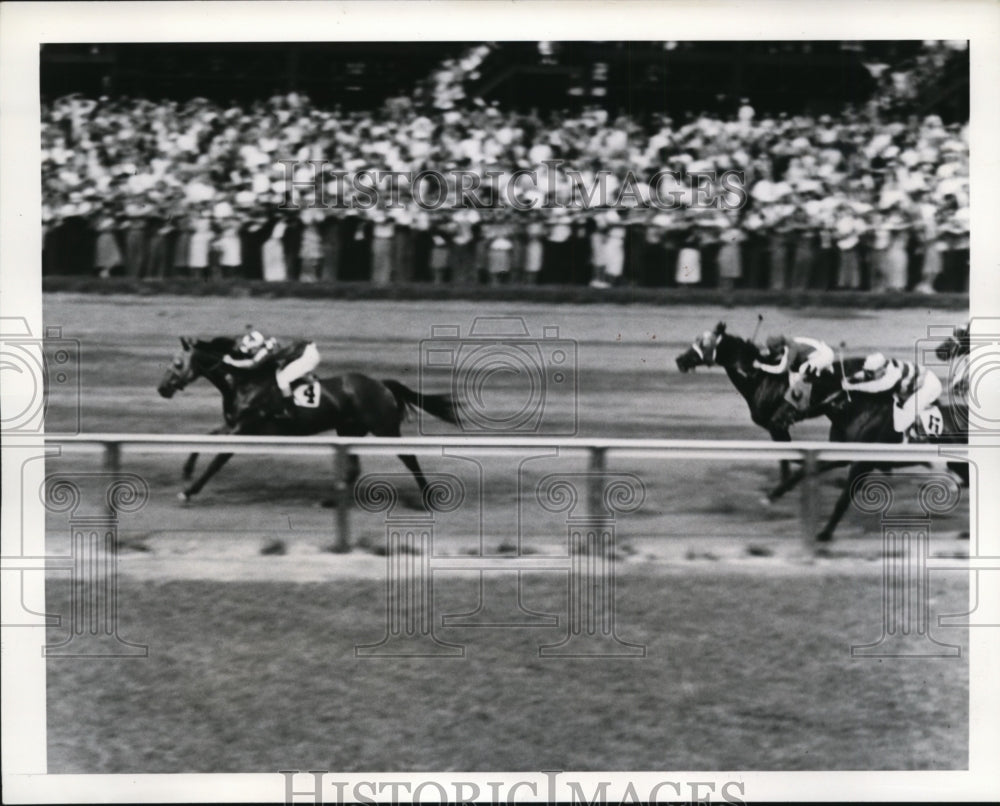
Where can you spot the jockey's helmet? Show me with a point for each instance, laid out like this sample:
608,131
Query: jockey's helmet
875,365
252,341
775,344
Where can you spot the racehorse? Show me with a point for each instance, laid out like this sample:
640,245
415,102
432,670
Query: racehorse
353,405
956,349
764,392
954,346
863,417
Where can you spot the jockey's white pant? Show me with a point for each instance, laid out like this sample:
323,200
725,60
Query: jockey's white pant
294,370
905,414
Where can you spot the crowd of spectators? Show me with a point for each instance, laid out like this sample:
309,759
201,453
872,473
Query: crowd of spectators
195,190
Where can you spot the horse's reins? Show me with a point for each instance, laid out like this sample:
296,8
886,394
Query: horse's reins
214,366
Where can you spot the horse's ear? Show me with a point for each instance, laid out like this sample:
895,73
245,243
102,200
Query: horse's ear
186,342
720,328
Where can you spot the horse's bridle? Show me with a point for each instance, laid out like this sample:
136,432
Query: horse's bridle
179,382
696,346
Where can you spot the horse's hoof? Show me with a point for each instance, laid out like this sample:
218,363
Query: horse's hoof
824,537
183,497
766,501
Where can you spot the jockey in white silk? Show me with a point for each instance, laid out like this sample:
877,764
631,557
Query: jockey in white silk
915,388
255,349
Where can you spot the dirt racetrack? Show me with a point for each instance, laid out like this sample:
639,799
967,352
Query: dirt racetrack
251,664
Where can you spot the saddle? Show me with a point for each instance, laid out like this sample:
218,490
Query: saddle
309,377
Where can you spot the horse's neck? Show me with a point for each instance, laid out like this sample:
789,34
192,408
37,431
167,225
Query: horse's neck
220,381
214,372
739,365
870,420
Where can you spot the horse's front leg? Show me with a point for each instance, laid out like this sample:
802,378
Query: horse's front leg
782,435
856,469
795,478
213,467
188,469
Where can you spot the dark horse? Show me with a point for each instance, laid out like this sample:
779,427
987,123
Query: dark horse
955,349
864,417
353,405
764,392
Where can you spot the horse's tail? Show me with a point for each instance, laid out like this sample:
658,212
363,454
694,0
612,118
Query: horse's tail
440,406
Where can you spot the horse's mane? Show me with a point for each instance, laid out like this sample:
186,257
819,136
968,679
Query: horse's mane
220,345
742,350
954,347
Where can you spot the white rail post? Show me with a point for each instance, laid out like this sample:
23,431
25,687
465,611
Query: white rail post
342,499
810,498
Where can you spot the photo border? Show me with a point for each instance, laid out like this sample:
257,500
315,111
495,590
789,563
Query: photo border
24,26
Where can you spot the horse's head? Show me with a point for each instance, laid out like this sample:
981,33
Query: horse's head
182,370
702,352
196,359
946,349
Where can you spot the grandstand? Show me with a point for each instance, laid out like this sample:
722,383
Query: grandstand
173,160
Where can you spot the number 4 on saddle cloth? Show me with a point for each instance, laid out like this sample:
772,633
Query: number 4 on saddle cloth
306,392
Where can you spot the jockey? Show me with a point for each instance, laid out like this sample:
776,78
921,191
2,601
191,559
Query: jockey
254,349
802,358
915,388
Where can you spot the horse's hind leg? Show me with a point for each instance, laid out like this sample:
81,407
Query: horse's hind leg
961,469
413,466
214,467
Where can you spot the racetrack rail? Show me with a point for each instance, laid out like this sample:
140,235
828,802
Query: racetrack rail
113,445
